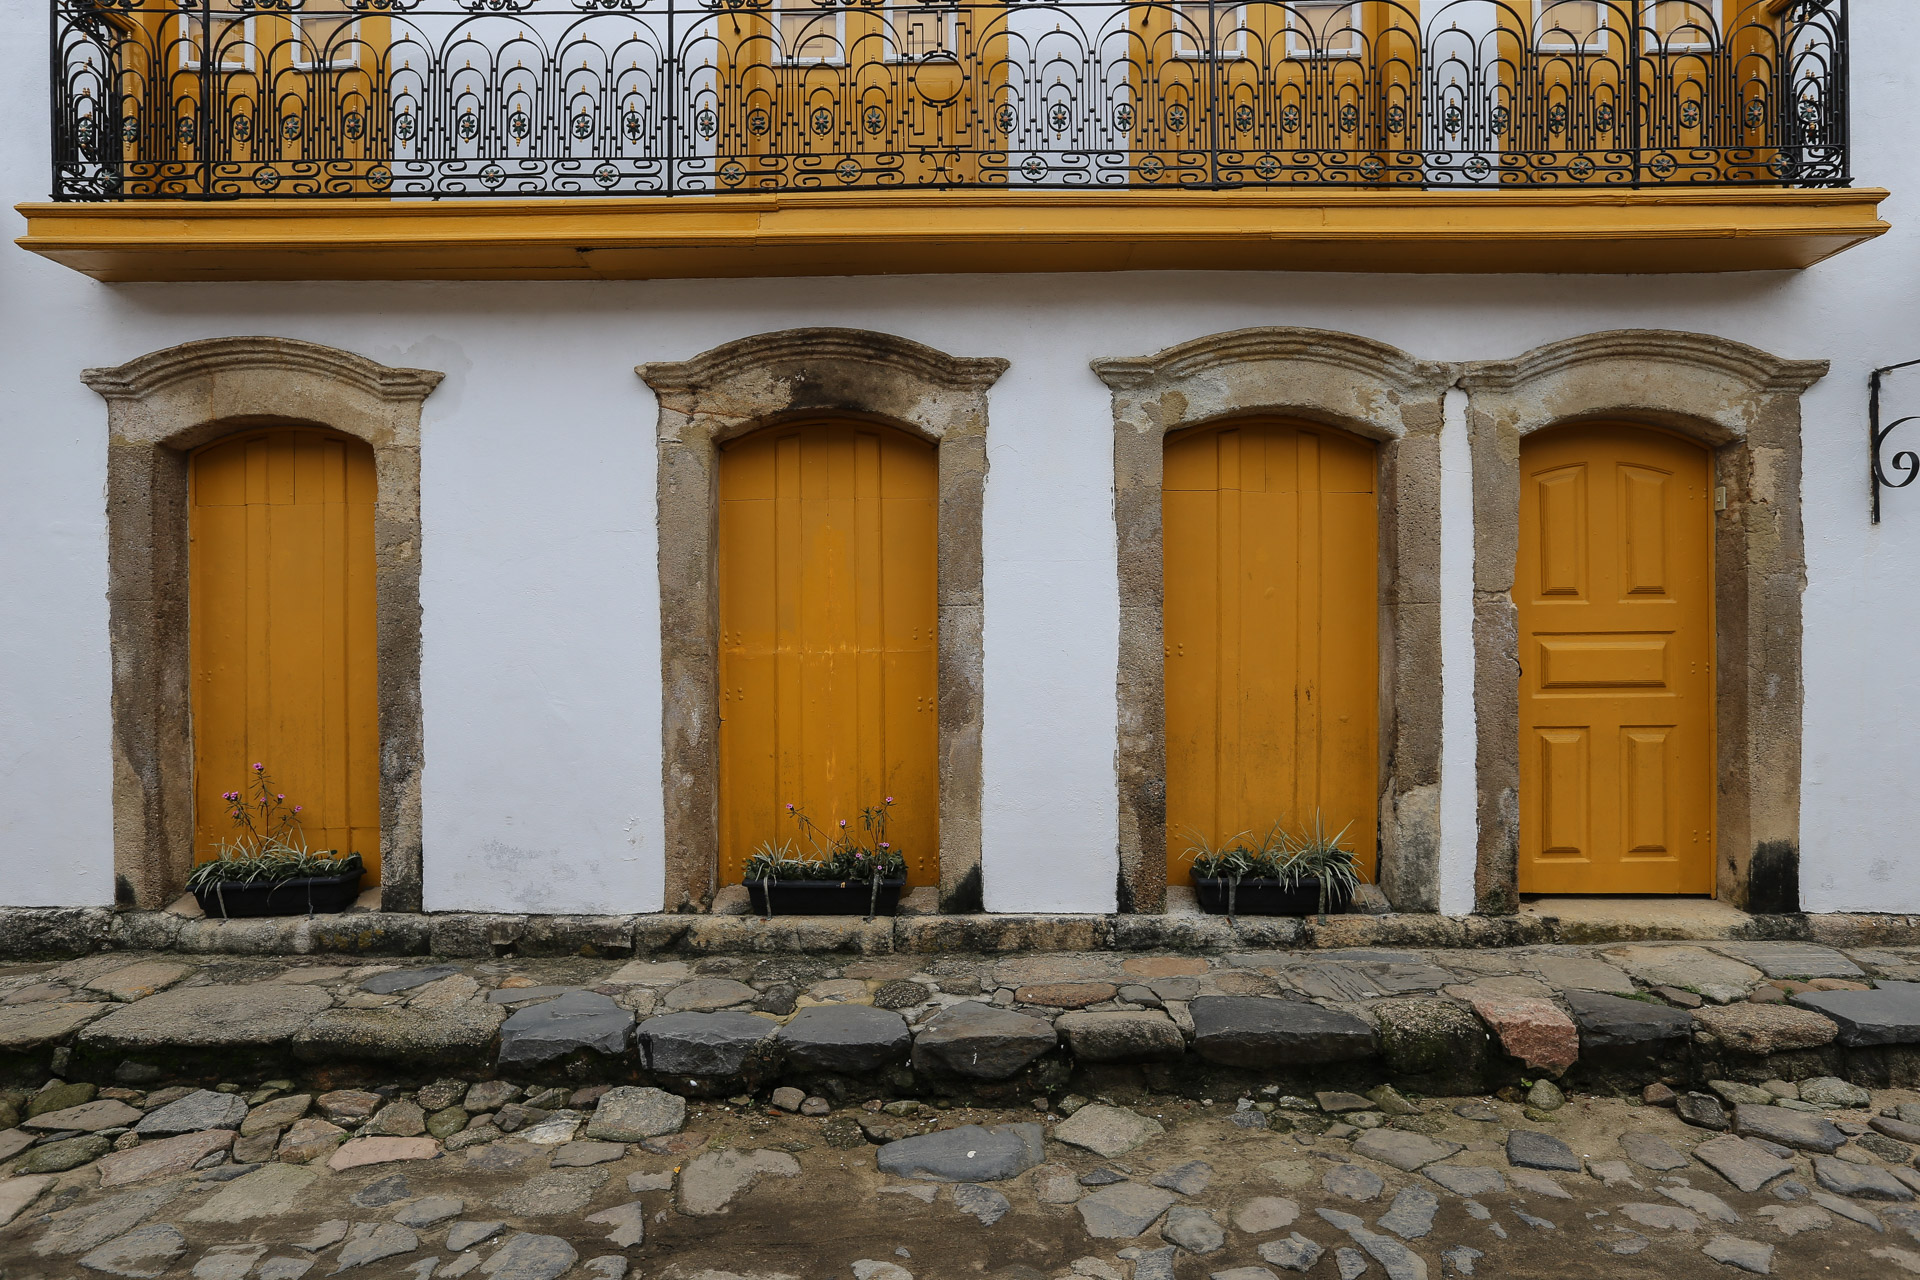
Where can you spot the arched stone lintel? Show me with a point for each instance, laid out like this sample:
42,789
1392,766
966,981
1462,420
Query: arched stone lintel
761,381
160,407
1744,404
1337,379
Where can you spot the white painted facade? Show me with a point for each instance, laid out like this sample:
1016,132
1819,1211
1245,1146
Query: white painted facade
540,671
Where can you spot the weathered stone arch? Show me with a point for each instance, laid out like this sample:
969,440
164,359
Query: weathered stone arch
160,407
759,381
1345,381
1743,404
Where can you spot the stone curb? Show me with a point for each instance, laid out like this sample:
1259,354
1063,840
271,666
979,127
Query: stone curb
49,932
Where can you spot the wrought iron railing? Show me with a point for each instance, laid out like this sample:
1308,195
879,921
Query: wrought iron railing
219,99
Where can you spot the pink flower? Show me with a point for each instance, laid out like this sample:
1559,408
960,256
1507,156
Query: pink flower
281,796
885,845
296,808
843,822
257,766
789,808
889,799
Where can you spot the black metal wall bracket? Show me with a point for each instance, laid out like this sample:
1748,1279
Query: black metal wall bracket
1907,462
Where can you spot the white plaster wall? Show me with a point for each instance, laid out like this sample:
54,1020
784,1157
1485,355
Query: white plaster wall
542,783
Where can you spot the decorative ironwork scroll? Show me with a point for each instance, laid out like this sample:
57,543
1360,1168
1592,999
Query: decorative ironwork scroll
226,99
1906,461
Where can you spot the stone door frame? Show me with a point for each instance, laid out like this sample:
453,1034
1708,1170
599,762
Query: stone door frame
160,408
1314,375
762,381
1744,406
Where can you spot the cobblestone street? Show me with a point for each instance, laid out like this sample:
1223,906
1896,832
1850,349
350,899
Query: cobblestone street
1633,1110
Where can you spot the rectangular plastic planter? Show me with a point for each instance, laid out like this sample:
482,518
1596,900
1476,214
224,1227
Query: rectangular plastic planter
309,895
1267,898
825,897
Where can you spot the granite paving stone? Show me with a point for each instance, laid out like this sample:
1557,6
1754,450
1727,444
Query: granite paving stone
1747,1255
1536,1182
1791,959
1193,1229
706,1044
462,1236
1265,1213
1106,1131
1863,1182
967,1154
219,1016
393,981
1797,1129
1533,1030
1745,1164
1531,1149
228,1261
201,1109
982,1203
976,1041
1255,1032
1702,1110
1352,1182
1122,1211
429,1211
144,1252
88,1117
1848,1209
1295,1253
709,1183
1189,1179
530,1257
1466,1179
1615,1028
1351,1263
1833,1092
844,1039
1122,1036
580,1021
1411,1215
1651,1151
58,1157
163,1158
1704,1203
382,1241
628,1223
1889,1014
268,1192
1719,978
1404,1151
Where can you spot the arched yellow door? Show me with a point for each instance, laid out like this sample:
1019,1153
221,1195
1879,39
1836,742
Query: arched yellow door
284,639
1270,606
1614,588
828,623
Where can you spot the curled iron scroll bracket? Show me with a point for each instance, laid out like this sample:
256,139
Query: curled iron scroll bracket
1906,461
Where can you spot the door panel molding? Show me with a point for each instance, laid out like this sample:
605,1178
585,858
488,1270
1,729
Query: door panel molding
1743,404
161,407
765,380
1320,376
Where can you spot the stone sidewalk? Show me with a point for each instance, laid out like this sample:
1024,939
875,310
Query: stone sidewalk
1458,1021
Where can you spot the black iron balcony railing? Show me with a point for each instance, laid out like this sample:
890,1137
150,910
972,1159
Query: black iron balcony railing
223,99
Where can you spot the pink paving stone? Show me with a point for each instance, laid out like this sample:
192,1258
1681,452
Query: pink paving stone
1530,1029
164,1158
381,1151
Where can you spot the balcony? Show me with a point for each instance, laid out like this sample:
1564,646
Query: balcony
262,139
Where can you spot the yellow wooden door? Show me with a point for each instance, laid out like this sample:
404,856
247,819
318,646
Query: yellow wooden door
1614,588
828,620
1271,600
281,607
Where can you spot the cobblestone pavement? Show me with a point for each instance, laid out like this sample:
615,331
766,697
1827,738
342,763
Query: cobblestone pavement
1607,1188
1643,1109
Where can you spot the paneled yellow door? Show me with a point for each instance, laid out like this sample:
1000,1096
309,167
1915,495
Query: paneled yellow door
1614,588
281,608
828,621
1271,624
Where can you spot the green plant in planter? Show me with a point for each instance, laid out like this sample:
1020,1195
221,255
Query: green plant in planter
846,854
267,843
1291,860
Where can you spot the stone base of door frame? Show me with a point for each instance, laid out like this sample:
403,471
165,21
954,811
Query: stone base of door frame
48,932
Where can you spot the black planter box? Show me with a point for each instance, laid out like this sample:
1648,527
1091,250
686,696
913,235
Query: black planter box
313,895
1267,898
825,897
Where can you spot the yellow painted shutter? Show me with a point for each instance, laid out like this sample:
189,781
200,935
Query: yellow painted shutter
1614,587
1271,600
284,635
828,617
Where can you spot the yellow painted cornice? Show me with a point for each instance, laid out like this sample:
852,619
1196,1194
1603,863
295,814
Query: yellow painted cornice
834,233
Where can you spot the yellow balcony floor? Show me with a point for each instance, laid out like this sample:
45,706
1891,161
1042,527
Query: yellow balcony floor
833,233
